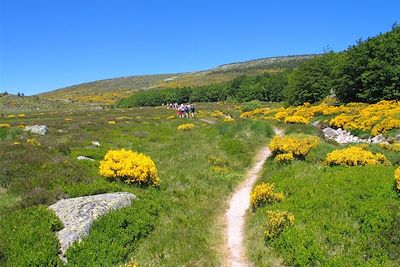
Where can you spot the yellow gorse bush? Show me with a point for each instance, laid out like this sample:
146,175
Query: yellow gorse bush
276,222
284,157
296,119
229,119
4,125
217,114
377,118
32,142
263,194
296,145
186,127
397,178
130,166
391,147
111,122
355,155
171,117
132,263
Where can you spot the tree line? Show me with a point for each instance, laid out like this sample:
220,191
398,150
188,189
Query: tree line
368,71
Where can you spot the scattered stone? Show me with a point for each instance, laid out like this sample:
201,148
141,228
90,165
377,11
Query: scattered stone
77,214
330,133
37,129
96,143
378,139
316,124
344,137
84,158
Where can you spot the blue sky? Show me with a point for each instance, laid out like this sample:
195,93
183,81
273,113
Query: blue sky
45,45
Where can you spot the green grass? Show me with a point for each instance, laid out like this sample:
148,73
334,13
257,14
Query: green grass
176,224
27,238
344,215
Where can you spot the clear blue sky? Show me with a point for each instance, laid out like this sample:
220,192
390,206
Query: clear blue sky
45,45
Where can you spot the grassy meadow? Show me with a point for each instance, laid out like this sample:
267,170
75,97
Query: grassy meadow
172,225
343,215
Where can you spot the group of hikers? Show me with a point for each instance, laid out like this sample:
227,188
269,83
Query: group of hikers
183,110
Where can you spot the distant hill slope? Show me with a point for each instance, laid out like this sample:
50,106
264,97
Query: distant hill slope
110,90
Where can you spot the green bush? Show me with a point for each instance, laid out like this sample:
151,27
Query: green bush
28,239
370,69
113,237
251,105
344,216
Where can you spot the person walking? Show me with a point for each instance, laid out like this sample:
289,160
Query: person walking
192,111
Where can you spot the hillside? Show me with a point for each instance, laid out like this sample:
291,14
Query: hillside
110,90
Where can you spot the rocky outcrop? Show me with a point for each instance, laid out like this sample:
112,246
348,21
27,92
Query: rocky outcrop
77,214
37,129
344,137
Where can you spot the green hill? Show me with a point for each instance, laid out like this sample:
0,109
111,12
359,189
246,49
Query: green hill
110,90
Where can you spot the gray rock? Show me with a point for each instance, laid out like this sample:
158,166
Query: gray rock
37,129
344,137
96,143
77,214
378,139
316,124
330,133
84,158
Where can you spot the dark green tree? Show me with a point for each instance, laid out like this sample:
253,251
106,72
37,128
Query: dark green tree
312,81
370,70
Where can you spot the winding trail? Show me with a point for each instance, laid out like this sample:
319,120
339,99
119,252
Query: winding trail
208,121
238,205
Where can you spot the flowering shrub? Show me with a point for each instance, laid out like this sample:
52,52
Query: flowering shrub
111,122
171,117
21,115
11,116
263,194
297,145
355,155
132,263
33,142
217,114
68,119
276,222
377,118
129,166
257,111
392,147
186,127
296,119
219,169
397,178
229,119
4,125
284,157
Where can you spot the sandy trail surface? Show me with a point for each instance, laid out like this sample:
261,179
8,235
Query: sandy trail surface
238,205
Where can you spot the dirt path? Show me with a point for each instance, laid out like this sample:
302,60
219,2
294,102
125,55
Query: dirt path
238,205
208,121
